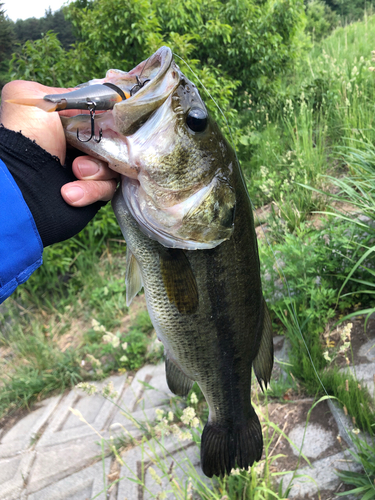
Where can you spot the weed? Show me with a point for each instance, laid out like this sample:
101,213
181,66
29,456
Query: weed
174,432
364,454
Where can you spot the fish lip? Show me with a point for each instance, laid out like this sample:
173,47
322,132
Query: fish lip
164,77
164,56
130,188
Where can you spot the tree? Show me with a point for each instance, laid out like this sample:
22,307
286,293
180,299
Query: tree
7,40
321,19
34,29
234,46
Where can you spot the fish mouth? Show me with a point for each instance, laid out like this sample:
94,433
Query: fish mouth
148,85
197,223
170,178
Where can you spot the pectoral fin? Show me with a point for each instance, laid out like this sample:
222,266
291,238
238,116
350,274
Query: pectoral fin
179,280
133,277
177,381
263,362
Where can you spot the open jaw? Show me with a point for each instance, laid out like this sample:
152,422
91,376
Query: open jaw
136,134
146,86
115,125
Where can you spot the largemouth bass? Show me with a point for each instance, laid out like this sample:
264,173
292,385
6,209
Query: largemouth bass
187,220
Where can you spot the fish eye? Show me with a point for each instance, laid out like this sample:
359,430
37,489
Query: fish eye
197,119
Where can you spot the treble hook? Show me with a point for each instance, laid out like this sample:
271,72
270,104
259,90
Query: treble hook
91,107
138,85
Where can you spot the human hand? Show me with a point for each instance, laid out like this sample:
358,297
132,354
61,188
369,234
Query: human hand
60,204
96,180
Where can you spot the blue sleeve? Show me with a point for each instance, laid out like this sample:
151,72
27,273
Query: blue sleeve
20,245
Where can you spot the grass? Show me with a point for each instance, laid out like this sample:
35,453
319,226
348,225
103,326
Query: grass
312,147
363,454
172,431
52,345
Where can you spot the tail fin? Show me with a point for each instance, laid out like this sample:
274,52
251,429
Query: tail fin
224,448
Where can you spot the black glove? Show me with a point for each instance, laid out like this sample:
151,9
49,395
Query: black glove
40,176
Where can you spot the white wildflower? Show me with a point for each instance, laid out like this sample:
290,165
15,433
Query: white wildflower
193,398
154,476
185,436
89,389
159,414
326,356
346,331
187,415
264,171
195,422
97,327
110,338
163,426
109,390
95,362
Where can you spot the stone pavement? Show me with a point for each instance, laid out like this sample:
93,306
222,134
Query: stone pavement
52,454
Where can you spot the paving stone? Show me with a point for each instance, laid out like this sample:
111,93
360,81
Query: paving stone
365,373
368,350
281,347
53,463
152,398
138,403
175,456
82,485
315,440
13,475
65,427
65,462
134,397
186,458
321,476
131,424
21,436
344,423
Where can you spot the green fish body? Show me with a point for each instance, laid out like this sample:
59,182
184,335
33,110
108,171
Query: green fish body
208,310
187,220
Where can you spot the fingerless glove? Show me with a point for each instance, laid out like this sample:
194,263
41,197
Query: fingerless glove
40,176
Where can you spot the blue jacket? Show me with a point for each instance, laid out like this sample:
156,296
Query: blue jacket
20,245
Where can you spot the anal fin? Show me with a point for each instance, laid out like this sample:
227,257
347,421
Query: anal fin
177,381
263,363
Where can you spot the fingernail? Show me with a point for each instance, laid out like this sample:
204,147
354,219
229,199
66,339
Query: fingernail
74,193
87,168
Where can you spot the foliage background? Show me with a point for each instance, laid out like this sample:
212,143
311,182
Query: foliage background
296,83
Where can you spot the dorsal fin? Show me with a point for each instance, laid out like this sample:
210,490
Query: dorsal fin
179,280
263,362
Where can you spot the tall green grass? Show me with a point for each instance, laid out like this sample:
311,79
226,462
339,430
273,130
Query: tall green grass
325,103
